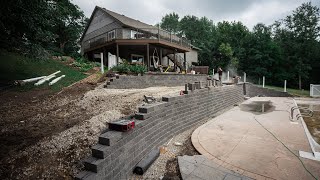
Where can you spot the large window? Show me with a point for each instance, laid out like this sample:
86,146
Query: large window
136,59
111,35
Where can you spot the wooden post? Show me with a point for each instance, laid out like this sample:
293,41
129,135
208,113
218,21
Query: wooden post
117,60
185,61
159,32
263,81
148,57
175,61
102,62
160,58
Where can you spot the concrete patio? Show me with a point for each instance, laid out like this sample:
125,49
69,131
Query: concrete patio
254,144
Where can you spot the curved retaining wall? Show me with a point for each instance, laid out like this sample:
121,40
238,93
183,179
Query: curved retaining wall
118,152
253,90
154,79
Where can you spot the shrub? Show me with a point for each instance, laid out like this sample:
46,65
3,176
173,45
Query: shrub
127,68
83,64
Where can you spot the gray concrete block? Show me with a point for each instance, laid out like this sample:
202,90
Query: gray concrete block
168,98
86,175
109,138
100,151
94,164
142,116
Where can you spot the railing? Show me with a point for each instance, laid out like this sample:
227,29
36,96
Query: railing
306,112
145,33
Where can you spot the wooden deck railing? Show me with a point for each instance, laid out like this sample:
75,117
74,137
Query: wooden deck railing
146,33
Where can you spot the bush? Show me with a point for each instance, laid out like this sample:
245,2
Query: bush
83,64
127,68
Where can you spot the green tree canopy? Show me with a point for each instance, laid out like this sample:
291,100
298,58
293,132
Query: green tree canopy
170,22
288,50
35,26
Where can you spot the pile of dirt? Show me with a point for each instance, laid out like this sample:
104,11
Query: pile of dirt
45,136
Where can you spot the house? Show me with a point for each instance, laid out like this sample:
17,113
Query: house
114,34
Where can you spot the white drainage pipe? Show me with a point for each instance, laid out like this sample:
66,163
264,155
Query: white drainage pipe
56,80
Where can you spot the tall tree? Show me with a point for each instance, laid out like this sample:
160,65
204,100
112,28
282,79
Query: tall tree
34,26
170,22
68,24
298,35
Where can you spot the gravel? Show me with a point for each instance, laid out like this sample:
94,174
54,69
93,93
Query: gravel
59,156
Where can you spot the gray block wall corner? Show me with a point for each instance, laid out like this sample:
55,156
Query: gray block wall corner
117,153
152,80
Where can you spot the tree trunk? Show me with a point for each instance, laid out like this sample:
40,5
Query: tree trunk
62,44
299,81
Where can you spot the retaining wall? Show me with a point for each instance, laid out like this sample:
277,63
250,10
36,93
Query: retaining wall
155,79
118,152
252,90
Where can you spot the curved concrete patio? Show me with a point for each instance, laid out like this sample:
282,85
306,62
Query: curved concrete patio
239,141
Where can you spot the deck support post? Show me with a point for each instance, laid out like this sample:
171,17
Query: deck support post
117,60
185,61
148,57
175,61
160,57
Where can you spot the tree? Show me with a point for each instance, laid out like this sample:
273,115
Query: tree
24,23
68,24
170,22
298,35
33,27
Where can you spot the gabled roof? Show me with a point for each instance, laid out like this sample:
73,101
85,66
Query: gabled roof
122,19
127,21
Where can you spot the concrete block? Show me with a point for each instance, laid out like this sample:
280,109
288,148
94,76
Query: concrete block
100,151
191,86
110,137
146,109
168,98
95,164
142,116
86,175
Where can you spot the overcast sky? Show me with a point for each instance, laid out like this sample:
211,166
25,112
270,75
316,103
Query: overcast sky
249,12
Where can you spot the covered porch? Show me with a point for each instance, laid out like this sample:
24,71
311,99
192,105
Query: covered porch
151,53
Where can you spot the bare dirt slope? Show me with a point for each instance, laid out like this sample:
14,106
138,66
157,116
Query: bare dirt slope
44,136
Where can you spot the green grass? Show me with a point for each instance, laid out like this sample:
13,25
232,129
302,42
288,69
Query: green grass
17,67
294,92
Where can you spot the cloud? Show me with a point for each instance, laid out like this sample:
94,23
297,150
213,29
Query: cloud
250,12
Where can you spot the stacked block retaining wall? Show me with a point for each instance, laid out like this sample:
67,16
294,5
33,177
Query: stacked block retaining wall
152,80
253,90
117,153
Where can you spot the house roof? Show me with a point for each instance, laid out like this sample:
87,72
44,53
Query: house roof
124,20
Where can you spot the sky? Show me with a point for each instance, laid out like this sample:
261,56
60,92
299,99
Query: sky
249,12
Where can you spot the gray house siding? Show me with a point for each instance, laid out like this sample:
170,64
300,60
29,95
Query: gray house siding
101,23
191,56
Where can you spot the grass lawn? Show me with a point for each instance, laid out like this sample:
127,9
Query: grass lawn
16,67
294,92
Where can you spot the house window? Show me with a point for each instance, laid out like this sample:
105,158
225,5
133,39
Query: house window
137,59
133,34
111,35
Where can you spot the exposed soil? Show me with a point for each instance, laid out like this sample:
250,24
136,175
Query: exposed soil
313,123
172,166
44,135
